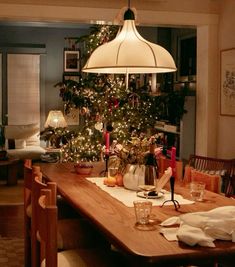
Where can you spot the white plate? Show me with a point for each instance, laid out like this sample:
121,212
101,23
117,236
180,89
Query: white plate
143,195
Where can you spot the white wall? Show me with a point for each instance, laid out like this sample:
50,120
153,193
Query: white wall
226,124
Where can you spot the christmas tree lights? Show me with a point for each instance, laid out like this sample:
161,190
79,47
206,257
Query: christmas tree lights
104,101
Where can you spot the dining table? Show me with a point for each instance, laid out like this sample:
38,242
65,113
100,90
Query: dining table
117,222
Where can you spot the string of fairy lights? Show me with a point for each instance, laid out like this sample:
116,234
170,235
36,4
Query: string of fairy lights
105,102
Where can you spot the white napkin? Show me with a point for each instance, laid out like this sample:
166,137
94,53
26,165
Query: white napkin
202,228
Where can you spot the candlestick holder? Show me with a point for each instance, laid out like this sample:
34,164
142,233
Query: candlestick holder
175,202
105,171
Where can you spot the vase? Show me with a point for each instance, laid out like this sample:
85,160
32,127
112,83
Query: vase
133,176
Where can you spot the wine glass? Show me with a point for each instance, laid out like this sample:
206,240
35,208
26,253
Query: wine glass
149,183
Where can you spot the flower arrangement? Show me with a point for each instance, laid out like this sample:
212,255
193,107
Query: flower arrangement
133,151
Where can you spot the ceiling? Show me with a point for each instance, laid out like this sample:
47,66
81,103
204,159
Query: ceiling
201,6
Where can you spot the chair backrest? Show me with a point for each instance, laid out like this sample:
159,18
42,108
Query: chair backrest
37,186
47,228
30,170
207,163
27,211
27,182
222,167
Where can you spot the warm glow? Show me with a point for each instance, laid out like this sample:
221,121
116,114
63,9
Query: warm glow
129,52
55,119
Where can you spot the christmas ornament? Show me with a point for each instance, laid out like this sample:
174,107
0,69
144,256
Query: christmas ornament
99,126
84,111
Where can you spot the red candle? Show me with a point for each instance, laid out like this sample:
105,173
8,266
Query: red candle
107,142
173,157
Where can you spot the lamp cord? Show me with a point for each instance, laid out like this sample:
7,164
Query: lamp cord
129,14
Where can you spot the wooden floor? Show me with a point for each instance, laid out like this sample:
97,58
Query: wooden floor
12,221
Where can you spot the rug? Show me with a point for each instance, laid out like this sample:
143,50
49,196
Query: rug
11,252
11,195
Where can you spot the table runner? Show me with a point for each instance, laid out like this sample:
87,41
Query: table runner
127,196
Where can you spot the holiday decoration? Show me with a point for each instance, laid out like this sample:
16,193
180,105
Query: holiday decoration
107,103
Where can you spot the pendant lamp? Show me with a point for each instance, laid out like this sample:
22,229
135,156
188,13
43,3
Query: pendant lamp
129,52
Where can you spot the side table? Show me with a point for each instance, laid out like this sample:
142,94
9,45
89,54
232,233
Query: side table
11,167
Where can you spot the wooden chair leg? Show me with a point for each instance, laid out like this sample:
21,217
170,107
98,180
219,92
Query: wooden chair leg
27,245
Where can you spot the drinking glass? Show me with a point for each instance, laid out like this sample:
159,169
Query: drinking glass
197,190
143,210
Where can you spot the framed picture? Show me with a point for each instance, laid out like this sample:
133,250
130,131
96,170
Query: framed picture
72,77
71,61
227,82
72,118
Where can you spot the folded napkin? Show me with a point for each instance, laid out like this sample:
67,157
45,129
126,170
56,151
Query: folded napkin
201,228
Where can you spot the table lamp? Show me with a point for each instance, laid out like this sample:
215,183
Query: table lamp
55,119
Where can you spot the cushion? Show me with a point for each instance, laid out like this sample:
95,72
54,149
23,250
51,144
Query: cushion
33,140
21,131
20,143
213,182
29,152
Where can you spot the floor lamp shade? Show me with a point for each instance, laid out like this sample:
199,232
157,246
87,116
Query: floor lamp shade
55,119
129,52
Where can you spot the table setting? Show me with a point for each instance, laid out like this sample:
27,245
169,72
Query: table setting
128,196
119,223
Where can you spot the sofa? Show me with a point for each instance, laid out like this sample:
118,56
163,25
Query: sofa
23,141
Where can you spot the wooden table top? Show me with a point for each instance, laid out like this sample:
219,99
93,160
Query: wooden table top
117,221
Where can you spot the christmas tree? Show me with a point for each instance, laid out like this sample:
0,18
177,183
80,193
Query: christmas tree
107,103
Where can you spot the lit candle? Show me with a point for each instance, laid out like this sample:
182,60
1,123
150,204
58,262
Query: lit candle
173,157
107,142
154,83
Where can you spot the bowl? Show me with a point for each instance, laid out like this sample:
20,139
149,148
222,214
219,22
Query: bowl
84,169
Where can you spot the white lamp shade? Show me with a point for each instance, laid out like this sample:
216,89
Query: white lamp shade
55,119
130,53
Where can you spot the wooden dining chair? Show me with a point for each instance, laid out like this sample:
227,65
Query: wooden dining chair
37,186
49,257
214,172
29,171
71,233
30,242
27,217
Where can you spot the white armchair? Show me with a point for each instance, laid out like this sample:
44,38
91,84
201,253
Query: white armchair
23,141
